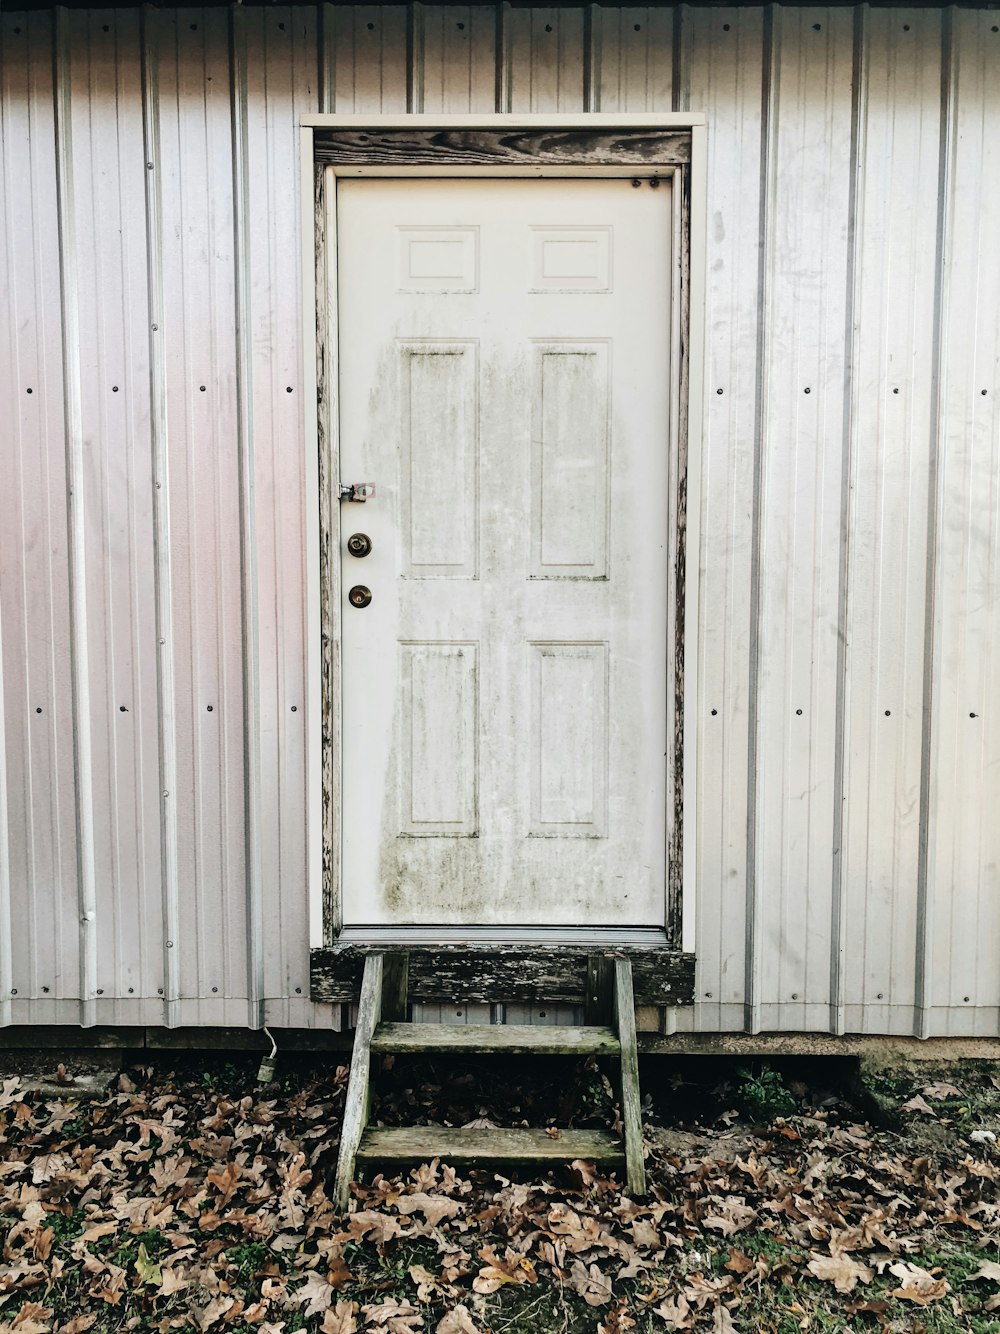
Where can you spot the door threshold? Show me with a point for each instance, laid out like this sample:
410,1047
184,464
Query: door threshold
453,937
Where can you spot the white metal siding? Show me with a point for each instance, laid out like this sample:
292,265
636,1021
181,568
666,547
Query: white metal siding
152,532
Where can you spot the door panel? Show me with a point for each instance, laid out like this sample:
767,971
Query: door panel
504,370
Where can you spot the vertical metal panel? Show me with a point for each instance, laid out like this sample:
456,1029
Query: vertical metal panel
457,58
108,168
804,307
369,58
202,482
38,863
722,68
544,59
281,80
963,910
891,430
633,58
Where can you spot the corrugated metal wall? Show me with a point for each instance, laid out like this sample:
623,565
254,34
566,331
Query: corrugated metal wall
152,526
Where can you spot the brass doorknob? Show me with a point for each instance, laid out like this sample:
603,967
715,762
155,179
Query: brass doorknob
359,544
359,596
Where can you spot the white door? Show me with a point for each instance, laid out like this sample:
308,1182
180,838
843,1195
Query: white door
504,383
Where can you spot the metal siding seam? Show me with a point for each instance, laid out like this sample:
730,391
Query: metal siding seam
248,553
505,58
311,259
593,36
681,60
83,748
769,116
859,86
325,27
414,56
161,501
923,1000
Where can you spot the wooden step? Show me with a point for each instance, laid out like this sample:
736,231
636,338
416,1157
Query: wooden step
392,1144
514,1039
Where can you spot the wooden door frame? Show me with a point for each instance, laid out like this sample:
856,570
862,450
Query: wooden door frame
428,145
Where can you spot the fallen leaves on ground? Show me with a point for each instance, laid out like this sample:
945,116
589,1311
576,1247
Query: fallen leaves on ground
164,1207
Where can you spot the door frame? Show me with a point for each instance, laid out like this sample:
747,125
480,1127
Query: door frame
501,145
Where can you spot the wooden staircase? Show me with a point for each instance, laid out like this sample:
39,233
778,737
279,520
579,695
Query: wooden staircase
381,1028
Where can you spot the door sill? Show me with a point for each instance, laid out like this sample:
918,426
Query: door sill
607,937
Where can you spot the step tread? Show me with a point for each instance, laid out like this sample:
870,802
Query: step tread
421,1143
516,1039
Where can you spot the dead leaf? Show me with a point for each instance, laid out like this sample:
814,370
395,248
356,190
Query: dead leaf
340,1319
98,1230
940,1091
919,1104
738,1263
315,1295
723,1321
433,1207
843,1271
214,1311
988,1269
33,1318
676,1314
918,1286
393,1316
592,1285
147,1269
457,1321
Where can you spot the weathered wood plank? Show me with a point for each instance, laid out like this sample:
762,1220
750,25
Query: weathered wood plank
395,983
512,1039
631,1102
358,1086
422,1143
471,147
598,1004
494,974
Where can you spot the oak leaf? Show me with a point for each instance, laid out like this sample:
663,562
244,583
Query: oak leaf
340,1319
315,1295
939,1091
676,1313
433,1207
457,1321
919,1104
592,1285
917,1285
843,1271
393,1316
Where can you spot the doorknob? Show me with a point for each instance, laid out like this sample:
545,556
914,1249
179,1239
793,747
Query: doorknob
359,544
359,596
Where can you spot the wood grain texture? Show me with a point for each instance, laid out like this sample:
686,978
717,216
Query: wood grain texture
631,1102
358,1086
422,1143
395,986
515,974
512,1039
483,148
598,1006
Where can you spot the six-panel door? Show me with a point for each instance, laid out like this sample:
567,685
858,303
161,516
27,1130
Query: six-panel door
504,383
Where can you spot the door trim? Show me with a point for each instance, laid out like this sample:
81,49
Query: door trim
427,145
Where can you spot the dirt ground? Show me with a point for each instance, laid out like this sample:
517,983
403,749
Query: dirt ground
795,1195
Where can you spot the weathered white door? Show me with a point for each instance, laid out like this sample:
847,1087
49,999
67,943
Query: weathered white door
504,383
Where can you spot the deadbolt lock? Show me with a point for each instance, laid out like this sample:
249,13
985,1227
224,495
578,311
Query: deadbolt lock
359,544
359,596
